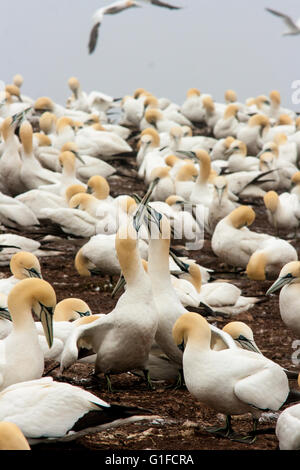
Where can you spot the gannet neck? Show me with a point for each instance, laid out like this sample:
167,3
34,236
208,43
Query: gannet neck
158,260
187,172
7,129
68,161
271,200
256,268
128,255
195,276
192,330
205,166
26,136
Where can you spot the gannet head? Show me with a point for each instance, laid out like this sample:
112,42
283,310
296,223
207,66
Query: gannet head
290,273
7,128
74,85
266,161
285,120
63,123
259,120
242,334
71,310
18,80
187,172
241,217
193,328
271,200
98,187
256,267
275,97
153,116
151,102
172,200
47,122
67,160
231,111
37,295
228,141
43,140
186,131
26,136
152,137
12,438
220,187
160,172
83,266
82,201
208,104
270,147
230,96
176,133
296,178
193,92
24,265
139,92
44,104
13,90
171,160
280,139
237,147
72,190
262,101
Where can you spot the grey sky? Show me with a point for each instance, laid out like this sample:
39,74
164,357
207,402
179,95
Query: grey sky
209,44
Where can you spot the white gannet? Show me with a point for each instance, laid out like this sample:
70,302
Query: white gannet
111,9
233,229
221,205
46,410
293,27
231,381
288,281
283,211
14,213
32,174
123,338
288,428
238,160
228,124
21,356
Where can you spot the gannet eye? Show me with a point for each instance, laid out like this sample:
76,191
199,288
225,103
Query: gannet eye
181,346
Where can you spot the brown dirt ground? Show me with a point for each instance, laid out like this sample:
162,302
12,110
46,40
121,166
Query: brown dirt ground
184,418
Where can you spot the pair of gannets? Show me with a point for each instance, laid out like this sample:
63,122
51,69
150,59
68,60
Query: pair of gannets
231,381
267,253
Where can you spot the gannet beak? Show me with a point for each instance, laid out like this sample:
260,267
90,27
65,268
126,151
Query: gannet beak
220,192
46,317
120,284
183,266
79,157
281,281
2,247
34,273
140,213
186,154
247,344
4,313
83,314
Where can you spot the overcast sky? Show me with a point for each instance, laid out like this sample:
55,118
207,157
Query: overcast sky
209,44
